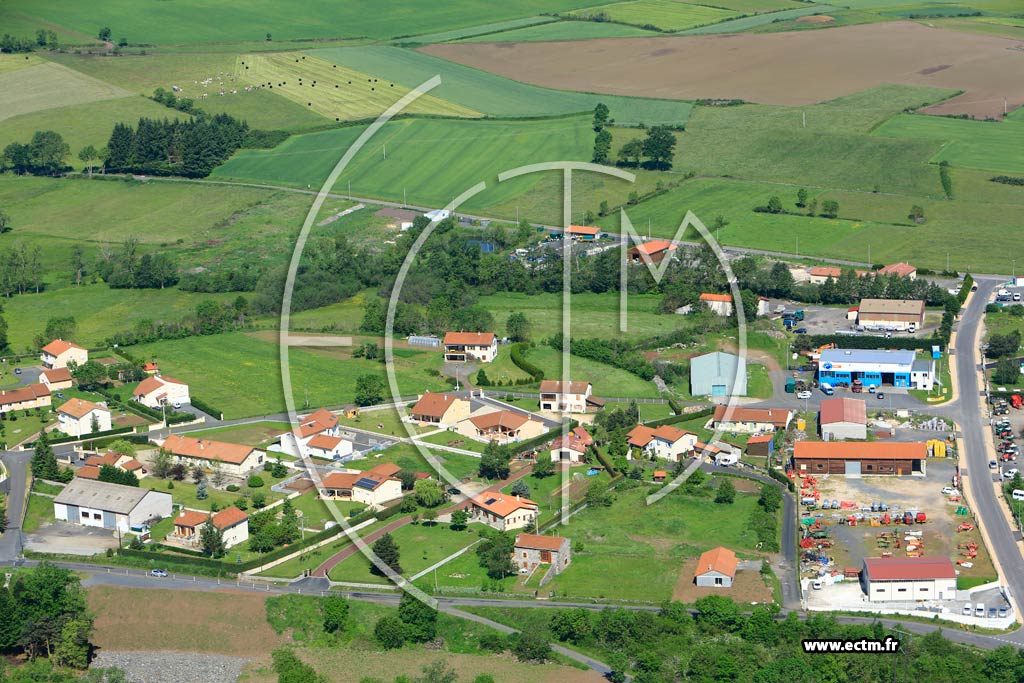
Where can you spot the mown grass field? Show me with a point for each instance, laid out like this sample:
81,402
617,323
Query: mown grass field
250,434
240,373
667,15
560,30
479,30
45,86
332,92
756,6
142,74
98,311
495,95
608,381
195,21
420,546
80,124
758,20
987,145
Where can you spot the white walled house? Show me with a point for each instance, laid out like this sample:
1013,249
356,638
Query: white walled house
716,568
372,488
25,398
109,506
668,442
79,417
568,449
568,397
319,435
751,420
231,458
232,523
59,353
56,379
719,304
502,512
160,390
464,347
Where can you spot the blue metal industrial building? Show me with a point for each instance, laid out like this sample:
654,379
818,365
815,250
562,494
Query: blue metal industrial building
899,368
718,374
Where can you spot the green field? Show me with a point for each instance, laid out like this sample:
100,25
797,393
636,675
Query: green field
38,512
561,30
431,160
256,434
98,310
983,145
45,86
493,94
667,15
239,373
755,6
756,21
332,92
80,124
196,21
479,30
608,381
142,74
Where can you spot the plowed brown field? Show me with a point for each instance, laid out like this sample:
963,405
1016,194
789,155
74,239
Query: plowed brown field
775,68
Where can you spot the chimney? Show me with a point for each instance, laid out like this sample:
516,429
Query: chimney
182,513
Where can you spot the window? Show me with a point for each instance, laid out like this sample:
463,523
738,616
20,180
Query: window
718,580
923,589
869,467
820,466
901,590
97,515
85,515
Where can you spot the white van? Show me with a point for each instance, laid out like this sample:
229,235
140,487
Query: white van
968,609
1018,494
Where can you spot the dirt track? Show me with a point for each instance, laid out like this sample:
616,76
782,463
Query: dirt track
776,68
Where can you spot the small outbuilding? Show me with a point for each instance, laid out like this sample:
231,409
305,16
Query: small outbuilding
532,550
843,418
906,579
761,445
716,568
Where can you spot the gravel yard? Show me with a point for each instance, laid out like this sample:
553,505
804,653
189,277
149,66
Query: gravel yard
173,667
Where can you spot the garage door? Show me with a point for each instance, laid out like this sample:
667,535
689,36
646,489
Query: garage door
853,469
718,390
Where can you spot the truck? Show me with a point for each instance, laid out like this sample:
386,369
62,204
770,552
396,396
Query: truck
799,314
857,386
1016,401
790,385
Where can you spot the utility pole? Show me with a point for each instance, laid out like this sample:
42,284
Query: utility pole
405,202
350,189
798,246
384,149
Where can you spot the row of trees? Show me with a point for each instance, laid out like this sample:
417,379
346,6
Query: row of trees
191,148
45,39
44,154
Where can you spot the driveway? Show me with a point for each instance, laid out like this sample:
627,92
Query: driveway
14,488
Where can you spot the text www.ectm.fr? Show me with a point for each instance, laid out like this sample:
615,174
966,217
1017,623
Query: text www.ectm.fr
887,645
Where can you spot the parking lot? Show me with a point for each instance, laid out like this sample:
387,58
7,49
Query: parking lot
832,319
70,539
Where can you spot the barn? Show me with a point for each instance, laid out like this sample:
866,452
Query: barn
856,459
718,374
843,418
904,579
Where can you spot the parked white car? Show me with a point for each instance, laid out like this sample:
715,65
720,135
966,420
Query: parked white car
1010,473
804,394
948,490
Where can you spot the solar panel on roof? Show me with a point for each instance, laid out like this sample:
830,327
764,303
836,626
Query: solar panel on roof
367,483
490,501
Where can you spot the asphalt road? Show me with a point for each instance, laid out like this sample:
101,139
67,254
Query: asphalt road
10,539
973,417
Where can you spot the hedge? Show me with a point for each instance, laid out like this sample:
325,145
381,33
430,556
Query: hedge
109,432
206,408
843,341
95,445
531,444
965,288
781,477
526,366
685,417
173,417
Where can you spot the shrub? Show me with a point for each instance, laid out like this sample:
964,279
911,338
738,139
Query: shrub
255,481
233,488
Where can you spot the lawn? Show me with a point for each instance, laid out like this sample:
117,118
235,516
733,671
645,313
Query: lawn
420,545
196,21
314,558
142,74
44,86
333,92
184,493
315,512
667,15
38,512
560,30
256,434
455,440
759,384
223,369
547,491
495,95
986,145
384,421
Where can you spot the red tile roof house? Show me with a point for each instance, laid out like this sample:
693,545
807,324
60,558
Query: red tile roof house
372,488
232,522
532,551
568,449
751,420
719,304
582,434
231,458
820,274
160,390
25,398
503,426
900,269
908,579
843,418
317,435
464,347
91,468
502,512
59,353
56,379
666,441
656,251
569,397
443,410
716,568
